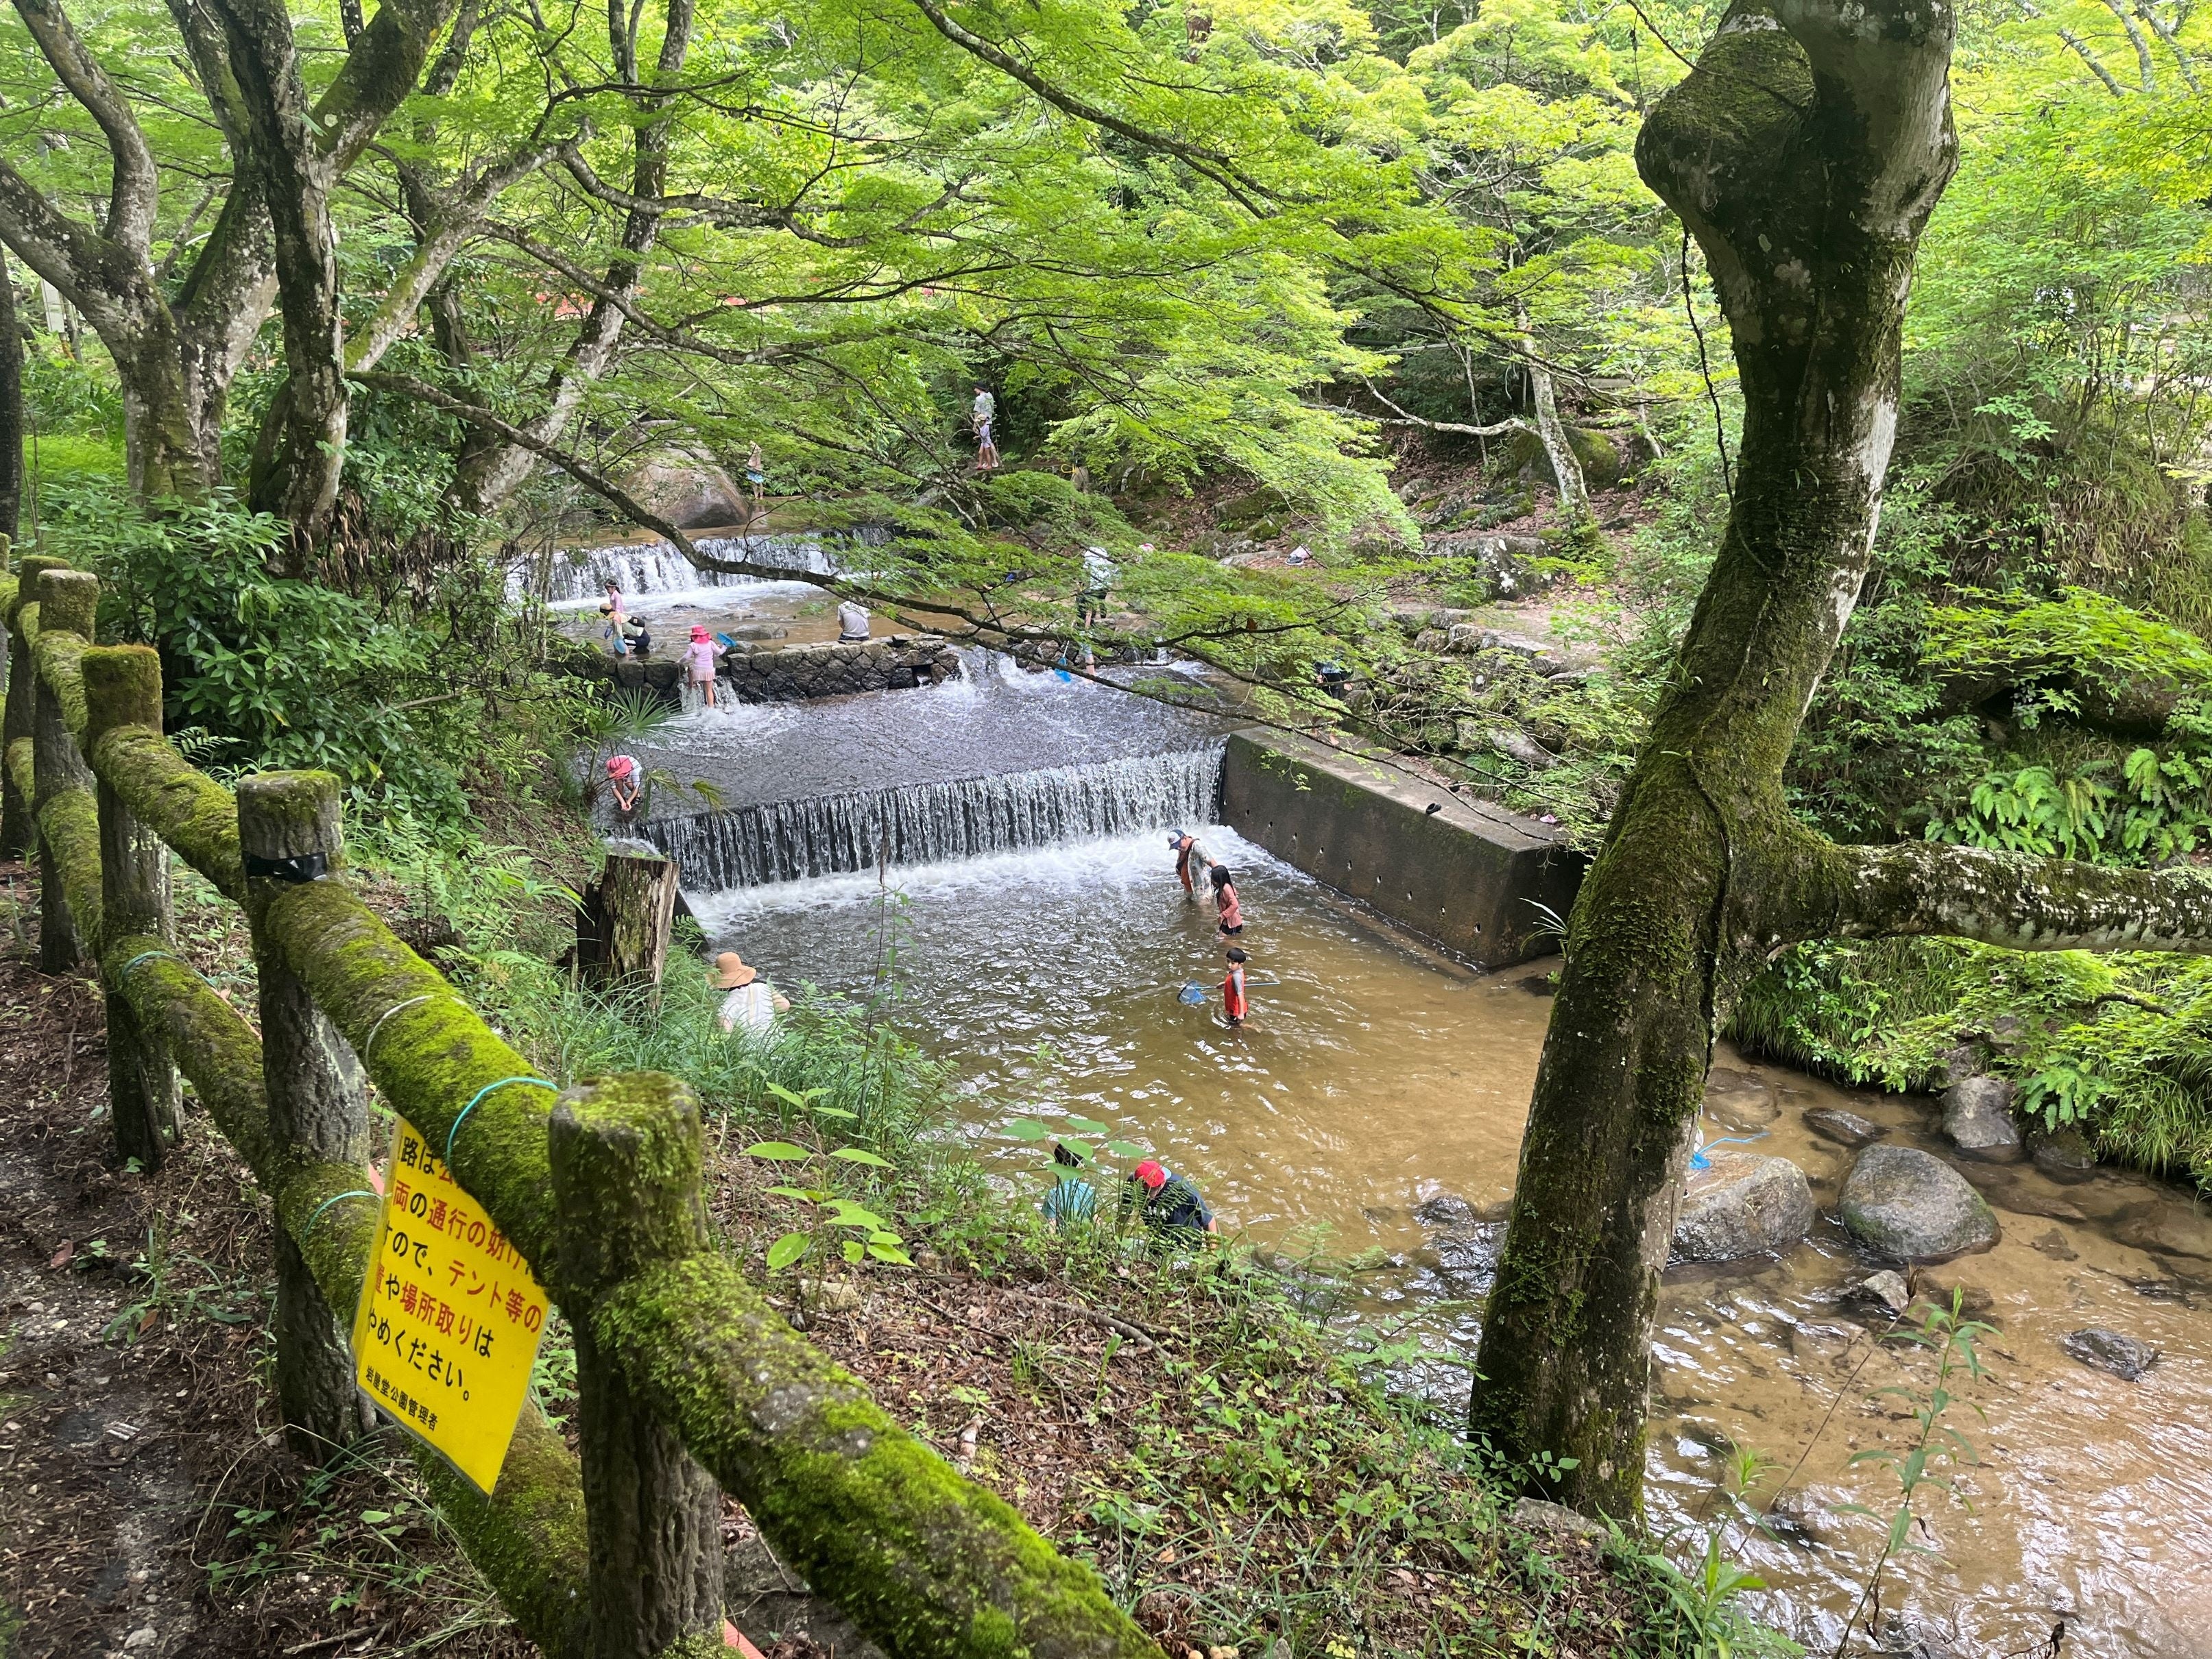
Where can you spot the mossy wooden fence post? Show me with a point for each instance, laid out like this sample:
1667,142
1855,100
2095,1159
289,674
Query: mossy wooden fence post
15,810
288,835
122,686
626,1156
68,602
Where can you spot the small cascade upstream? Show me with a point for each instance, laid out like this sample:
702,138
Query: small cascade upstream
580,575
937,822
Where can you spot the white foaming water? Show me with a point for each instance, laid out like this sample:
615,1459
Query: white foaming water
573,576
931,822
1117,862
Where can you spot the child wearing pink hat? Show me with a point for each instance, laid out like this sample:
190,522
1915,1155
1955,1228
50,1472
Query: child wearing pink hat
623,776
699,660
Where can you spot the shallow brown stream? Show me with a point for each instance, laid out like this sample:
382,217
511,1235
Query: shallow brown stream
1377,1078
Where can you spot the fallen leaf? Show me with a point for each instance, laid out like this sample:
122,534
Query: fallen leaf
61,1256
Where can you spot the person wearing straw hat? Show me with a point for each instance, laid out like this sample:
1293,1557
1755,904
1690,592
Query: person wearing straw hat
752,1001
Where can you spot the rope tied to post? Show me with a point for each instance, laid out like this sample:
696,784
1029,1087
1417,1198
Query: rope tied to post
534,1082
123,973
335,1198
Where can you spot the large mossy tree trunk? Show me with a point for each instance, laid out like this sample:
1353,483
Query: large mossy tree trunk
1805,152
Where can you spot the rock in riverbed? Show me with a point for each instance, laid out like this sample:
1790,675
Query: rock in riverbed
1886,1290
1741,1100
1913,1207
1845,1128
1977,1119
2126,1357
1742,1206
2066,1155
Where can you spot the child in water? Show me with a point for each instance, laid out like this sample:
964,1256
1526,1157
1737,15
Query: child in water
1233,1005
1224,901
699,661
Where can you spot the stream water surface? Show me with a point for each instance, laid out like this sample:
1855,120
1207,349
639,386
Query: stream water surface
1375,1103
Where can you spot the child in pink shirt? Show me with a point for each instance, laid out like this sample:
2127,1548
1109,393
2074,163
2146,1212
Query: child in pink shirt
699,661
1224,901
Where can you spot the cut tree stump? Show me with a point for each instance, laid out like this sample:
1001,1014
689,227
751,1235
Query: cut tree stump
621,937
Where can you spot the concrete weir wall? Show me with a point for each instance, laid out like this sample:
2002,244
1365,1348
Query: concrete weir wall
1458,875
787,673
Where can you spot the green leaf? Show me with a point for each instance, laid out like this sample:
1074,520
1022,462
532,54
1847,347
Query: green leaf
1028,1129
375,1517
889,1252
836,1111
1081,1149
1090,1126
853,1250
855,1155
1125,1149
787,1250
781,1151
804,1194
849,1214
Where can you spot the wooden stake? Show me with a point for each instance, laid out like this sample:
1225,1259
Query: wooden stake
288,833
621,938
122,686
68,602
626,1158
19,832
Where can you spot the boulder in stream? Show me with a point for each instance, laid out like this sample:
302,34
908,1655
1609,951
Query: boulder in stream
1912,1206
1977,1119
2065,1155
1743,1206
1886,1291
1467,1258
1845,1128
2126,1357
2165,1226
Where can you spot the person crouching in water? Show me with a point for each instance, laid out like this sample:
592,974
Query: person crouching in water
1234,1007
1171,1207
1225,900
623,778
699,661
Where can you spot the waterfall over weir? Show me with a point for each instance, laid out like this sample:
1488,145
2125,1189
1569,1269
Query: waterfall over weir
934,823
580,575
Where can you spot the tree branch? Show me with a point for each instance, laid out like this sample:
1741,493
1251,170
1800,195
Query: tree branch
2008,899
133,182
457,219
2173,44
1210,163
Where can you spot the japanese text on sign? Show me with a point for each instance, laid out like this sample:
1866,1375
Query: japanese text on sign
450,1318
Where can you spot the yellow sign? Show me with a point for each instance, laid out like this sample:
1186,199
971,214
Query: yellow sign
450,1318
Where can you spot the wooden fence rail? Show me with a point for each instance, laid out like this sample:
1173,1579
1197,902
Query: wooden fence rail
690,1383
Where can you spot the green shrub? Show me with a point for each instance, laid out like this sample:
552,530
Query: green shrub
291,673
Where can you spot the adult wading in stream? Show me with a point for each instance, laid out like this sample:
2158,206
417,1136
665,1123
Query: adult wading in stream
1805,152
